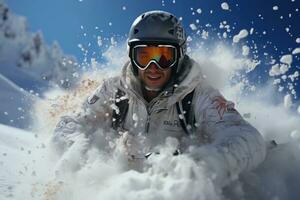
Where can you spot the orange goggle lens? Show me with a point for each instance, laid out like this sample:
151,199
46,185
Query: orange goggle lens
163,55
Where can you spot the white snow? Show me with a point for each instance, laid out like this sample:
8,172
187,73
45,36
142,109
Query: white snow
294,76
275,70
135,117
245,50
193,27
199,11
296,51
298,40
189,39
242,34
283,68
287,59
298,109
275,8
251,31
99,41
295,134
225,6
205,34
287,101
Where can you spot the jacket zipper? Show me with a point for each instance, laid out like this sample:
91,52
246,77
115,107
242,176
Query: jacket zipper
148,123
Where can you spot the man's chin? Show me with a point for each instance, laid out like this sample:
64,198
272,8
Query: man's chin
152,89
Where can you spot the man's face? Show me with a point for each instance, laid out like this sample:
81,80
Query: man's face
154,77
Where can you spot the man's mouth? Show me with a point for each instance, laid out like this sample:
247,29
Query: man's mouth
154,77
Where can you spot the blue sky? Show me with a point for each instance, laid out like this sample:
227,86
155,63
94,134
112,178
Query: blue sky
73,22
61,20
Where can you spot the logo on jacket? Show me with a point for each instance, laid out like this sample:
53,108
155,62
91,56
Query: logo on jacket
222,105
172,123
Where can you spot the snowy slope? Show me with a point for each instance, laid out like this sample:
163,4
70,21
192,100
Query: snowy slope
17,161
86,172
15,104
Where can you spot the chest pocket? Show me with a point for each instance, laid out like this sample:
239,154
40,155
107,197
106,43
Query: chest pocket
176,119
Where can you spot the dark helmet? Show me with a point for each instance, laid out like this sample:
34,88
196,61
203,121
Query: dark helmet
158,27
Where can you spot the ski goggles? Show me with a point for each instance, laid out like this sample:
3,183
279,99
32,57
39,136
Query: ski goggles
164,56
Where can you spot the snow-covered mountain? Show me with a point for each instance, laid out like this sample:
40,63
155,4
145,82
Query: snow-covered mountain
25,58
28,67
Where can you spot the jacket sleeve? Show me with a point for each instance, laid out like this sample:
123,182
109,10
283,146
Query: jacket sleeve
233,144
95,113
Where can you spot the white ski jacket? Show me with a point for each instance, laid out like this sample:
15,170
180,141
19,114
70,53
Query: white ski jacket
221,137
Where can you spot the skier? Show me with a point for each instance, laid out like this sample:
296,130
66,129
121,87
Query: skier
161,93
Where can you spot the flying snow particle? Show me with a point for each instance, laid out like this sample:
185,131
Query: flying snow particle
280,89
298,40
242,34
276,81
275,7
225,6
294,76
298,110
245,50
204,34
99,41
189,39
124,8
251,31
274,71
295,134
113,42
286,59
199,11
115,107
110,24
287,101
283,68
296,51
251,65
135,117
284,77
193,27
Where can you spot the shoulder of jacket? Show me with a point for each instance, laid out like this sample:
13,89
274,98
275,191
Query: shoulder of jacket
206,90
105,90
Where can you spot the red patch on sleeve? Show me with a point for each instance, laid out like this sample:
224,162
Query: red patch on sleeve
222,105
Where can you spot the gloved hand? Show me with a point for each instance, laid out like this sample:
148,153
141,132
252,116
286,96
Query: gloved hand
66,133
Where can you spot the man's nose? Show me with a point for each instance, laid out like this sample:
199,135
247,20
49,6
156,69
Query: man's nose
153,67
